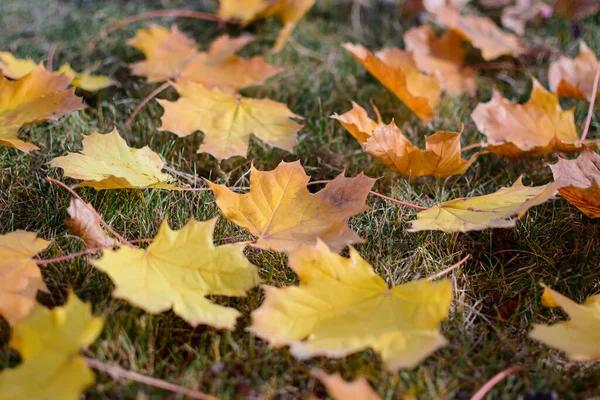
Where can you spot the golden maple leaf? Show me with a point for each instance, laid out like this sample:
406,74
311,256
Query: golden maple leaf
106,162
175,56
244,10
537,127
16,68
574,77
342,306
582,178
442,57
49,342
20,277
579,336
358,123
38,96
178,270
85,224
280,210
228,120
482,32
500,209
397,71
339,389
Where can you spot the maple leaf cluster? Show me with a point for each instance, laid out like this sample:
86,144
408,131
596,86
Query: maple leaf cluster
340,305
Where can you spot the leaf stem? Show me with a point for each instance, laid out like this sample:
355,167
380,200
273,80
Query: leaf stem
152,95
402,203
157,14
592,102
68,256
117,372
51,56
480,394
107,226
449,269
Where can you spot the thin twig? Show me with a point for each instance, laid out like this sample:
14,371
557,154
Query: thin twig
402,203
592,102
68,256
107,226
157,14
480,394
118,372
449,269
152,95
50,57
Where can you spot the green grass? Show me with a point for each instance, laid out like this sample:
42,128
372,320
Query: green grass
496,294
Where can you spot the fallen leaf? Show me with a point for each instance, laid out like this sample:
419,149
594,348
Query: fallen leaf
16,68
339,389
537,127
228,120
575,77
358,123
579,336
289,12
432,5
178,270
106,162
582,177
175,56
515,17
49,342
482,32
244,10
397,71
20,277
38,96
497,210
442,57
441,158
85,224
342,306
284,215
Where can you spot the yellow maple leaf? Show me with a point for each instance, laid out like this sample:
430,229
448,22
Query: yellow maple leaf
582,181
38,96
281,211
342,306
442,57
49,342
500,209
106,162
178,270
441,158
228,120
574,77
15,68
579,336
289,12
537,127
339,389
397,71
244,10
20,277
175,56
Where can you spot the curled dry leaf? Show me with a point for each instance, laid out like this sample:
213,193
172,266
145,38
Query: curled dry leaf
579,336
284,215
497,210
16,68
582,177
106,162
441,158
574,77
397,71
482,32
342,306
178,270
85,224
537,127
49,342
339,389
172,55
227,121
38,96
20,277
442,57
515,17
